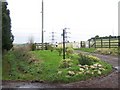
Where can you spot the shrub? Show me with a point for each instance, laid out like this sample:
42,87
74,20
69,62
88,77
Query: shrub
93,58
33,47
59,50
85,60
20,52
69,51
65,63
49,47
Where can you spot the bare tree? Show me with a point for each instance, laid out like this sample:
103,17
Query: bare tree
31,43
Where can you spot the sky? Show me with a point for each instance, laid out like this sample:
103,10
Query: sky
84,18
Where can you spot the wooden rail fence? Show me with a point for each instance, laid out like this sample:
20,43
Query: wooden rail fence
39,46
105,42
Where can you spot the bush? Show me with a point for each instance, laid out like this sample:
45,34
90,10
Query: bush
87,59
65,63
20,52
33,47
93,58
59,50
49,47
69,51
83,60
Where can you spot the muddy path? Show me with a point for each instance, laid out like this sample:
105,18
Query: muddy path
109,81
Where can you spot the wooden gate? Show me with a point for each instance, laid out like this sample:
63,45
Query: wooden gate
105,42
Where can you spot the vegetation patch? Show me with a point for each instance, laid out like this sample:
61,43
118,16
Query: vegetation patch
104,51
91,50
107,51
50,67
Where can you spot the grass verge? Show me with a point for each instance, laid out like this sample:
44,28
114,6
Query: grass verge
91,50
44,65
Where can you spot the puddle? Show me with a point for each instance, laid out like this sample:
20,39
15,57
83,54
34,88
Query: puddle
36,86
28,86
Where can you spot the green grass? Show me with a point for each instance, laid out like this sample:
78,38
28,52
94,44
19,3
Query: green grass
17,66
50,61
86,49
104,51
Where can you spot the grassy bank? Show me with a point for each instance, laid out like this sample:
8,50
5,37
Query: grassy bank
49,66
104,51
90,50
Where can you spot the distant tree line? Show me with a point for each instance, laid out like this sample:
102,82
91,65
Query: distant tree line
7,37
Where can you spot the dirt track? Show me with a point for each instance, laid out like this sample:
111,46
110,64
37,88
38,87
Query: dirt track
109,81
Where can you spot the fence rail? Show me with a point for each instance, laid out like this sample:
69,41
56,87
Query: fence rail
105,42
39,46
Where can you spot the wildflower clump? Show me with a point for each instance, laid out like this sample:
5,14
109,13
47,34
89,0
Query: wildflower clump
65,63
87,59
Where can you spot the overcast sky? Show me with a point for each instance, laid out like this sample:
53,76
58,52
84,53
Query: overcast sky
85,18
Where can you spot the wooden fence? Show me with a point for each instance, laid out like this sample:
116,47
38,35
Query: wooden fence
39,46
105,42
82,44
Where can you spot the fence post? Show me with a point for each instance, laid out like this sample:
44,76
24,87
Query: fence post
89,43
81,43
101,42
109,42
95,41
118,41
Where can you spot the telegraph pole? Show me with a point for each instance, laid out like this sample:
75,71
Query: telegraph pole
42,26
64,43
64,32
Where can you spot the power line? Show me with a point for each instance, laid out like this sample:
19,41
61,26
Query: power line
52,37
66,34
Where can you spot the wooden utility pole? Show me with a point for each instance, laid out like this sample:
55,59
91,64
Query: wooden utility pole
64,32
42,26
64,43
